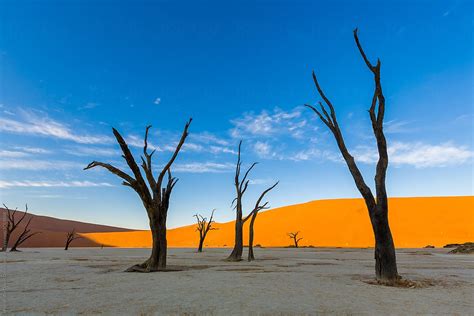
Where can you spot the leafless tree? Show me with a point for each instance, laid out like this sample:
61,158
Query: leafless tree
258,207
203,227
70,237
241,186
154,196
11,224
25,235
295,238
385,258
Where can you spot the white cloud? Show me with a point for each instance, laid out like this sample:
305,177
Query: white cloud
33,150
44,126
203,167
32,164
88,106
261,181
12,154
263,149
270,123
157,101
419,155
208,138
91,151
50,184
396,127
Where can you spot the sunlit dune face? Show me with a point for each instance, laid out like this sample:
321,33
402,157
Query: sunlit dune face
415,222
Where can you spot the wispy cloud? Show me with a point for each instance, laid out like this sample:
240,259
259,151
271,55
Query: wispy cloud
33,150
270,123
36,164
397,127
204,167
263,150
157,101
12,154
49,184
36,125
88,106
418,154
89,151
208,138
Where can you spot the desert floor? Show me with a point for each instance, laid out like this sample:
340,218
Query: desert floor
280,281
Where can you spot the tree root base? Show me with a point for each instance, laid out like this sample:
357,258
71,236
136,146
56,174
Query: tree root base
233,259
403,283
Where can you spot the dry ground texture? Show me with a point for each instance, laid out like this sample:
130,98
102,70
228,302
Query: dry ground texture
281,281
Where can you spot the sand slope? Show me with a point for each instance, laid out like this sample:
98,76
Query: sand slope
53,230
415,222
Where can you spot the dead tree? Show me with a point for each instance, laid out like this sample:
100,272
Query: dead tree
25,235
241,186
295,238
385,258
203,227
70,237
11,224
258,207
154,195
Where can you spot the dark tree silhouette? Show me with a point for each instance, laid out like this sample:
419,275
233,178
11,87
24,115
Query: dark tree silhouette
203,227
385,258
70,237
258,207
241,186
295,238
25,235
154,196
11,224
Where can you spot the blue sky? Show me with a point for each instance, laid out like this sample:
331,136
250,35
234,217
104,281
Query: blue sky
72,70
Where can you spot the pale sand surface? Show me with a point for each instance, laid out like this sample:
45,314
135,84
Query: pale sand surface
281,281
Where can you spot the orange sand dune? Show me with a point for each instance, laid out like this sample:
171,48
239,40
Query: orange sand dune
415,222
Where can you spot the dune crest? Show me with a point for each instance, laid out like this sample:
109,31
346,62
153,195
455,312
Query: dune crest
415,222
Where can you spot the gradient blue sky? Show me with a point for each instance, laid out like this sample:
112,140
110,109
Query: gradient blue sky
70,70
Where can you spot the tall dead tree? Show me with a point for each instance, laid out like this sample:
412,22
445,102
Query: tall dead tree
385,258
24,236
11,224
70,237
154,195
241,186
258,207
203,227
295,238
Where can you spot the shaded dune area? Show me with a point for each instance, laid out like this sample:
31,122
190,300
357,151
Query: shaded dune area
52,231
415,223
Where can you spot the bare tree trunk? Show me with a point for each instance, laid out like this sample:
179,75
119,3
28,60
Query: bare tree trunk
377,206
241,186
385,257
236,254
201,242
155,195
6,239
251,256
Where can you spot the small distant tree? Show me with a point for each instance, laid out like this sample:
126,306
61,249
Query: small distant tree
70,237
241,186
155,195
203,227
11,224
258,207
295,238
24,236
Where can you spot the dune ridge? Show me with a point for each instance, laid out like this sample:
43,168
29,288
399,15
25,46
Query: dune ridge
415,222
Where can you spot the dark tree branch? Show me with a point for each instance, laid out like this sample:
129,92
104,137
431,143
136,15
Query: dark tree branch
175,154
